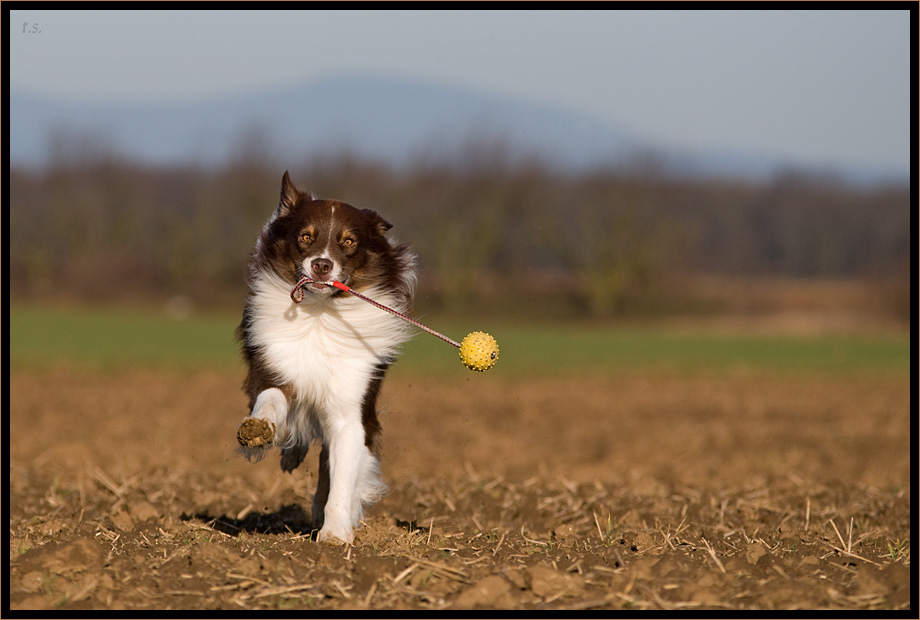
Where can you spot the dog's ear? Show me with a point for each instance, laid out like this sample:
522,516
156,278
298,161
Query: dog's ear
289,196
380,224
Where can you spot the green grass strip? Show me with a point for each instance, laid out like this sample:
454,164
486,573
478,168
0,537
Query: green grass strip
110,338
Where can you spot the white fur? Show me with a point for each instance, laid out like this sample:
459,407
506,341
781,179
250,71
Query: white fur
327,349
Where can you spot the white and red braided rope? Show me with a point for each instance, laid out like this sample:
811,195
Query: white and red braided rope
297,297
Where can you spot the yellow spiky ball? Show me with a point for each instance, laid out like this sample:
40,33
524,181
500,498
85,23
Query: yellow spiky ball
479,351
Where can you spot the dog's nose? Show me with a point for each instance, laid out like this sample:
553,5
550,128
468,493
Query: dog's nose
321,267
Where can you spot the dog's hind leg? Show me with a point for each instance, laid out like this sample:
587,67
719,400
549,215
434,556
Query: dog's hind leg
292,457
322,490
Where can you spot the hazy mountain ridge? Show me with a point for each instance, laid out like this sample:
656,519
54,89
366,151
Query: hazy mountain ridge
391,119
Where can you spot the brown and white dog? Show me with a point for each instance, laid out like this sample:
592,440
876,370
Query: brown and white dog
316,368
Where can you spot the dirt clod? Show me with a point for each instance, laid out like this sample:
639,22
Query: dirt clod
255,433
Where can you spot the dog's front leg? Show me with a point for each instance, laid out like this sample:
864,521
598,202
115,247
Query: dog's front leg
265,426
346,454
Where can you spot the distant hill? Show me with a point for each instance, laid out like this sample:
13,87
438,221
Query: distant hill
378,117
385,118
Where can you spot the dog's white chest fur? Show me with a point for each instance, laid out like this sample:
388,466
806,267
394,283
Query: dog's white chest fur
311,344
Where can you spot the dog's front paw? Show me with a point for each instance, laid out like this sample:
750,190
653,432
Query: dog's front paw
330,536
255,433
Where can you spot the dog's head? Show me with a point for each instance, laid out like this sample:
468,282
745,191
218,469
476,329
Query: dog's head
326,240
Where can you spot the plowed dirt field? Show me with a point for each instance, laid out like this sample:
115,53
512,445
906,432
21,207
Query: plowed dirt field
645,490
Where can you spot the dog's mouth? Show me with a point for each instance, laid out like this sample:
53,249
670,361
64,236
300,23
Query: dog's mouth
298,291
318,286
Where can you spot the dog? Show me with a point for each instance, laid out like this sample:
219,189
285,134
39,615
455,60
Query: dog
315,368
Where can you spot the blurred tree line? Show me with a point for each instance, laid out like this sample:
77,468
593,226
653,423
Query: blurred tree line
487,224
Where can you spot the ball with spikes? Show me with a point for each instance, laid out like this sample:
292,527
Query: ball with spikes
479,351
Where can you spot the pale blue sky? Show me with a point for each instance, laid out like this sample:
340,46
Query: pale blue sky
821,87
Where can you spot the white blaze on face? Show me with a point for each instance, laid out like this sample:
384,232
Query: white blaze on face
330,237
325,253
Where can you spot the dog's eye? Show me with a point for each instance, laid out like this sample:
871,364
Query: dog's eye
348,242
306,238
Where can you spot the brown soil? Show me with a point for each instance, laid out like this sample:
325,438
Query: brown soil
739,491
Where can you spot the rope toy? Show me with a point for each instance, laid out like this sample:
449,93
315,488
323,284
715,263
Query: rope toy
478,351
